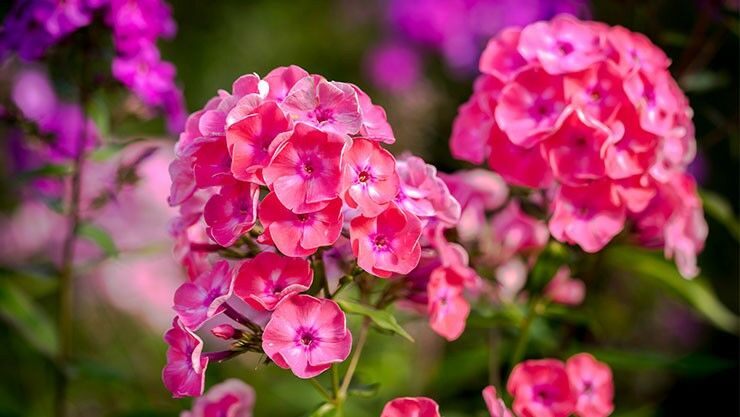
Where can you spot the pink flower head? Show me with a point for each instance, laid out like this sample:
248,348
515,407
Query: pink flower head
541,388
211,163
304,173
411,407
423,193
268,279
531,169
447,307
198,301
597,91
593,385
514,231
249,141
282,79
501,58
531,107
563,289
328,105
307,335
575,151
634,51
230,398
562,45
300,234
232,212
511,277
470,132
185,371
369,179
587,216
495,405
387,243
374,120
477,191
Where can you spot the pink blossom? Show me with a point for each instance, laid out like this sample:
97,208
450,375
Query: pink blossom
477,191
531,169
635,51
249,141
369,179
230,398
307,335
225,332
575,150
185,371
268,279
541,388
282,79
374,121
201,299
501,58
495,405
563,289
300,234
447,307
592,382
531,107
587,216
232,212
470,132
423,193
511,277
513,231
411,407
387,243
304,173
562,45
328,105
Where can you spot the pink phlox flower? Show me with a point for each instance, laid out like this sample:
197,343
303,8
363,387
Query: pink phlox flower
477,191
448,309
185,371
230,398
369,179
268,279
541,388
513,232
423,193
593,385
232,212
199,300
375,124
495,405
327,105
563,289
411,407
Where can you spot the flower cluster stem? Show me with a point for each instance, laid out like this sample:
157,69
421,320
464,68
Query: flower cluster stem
521,343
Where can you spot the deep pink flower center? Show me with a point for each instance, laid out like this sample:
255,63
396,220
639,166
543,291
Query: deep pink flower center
363,177
544,394
303,218
307,337
380,242
308,168
323,115
565,48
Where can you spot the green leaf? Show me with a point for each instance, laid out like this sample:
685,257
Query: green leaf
363,390
697,292
49,170
720,209
324,410
27,318
100,237
382,318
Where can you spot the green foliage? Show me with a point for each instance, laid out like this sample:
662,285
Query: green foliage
381,318
21,312
100,237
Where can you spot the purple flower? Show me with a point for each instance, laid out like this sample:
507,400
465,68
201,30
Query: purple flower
394,67
62,17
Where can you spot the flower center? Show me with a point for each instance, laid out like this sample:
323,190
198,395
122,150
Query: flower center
380,242
308,168
302,217
306,339
363,177
565,48
323,115
579,141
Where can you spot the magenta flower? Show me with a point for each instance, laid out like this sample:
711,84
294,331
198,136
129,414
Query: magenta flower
562,45
495,405
394,67
471,130
387,243
411,407
232,212
593,385
300,234
327,105
587,216
249,141
541,388
513,232
268,279
62,17
423,193
477,191
34,95
501,58
374,121
575,150
531,107
198,301
282,79
145,74
447,307
531,169
565,290
304,173
307,335
230,398
185,371
369,179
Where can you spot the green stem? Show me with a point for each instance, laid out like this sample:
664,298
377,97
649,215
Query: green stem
521,343
361,340
321,390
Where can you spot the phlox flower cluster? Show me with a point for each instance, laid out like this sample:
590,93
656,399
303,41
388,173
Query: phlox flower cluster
34,26
582,386
590,115
284,168
230,398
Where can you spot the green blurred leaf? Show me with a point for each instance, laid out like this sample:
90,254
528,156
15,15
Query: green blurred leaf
99,112
549,261
35,283
382,318
720,209
324,410
705,81
692,365
27,318
49,170
696,292
363,390
100,237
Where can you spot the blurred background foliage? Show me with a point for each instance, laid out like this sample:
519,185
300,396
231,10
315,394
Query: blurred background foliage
672,344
